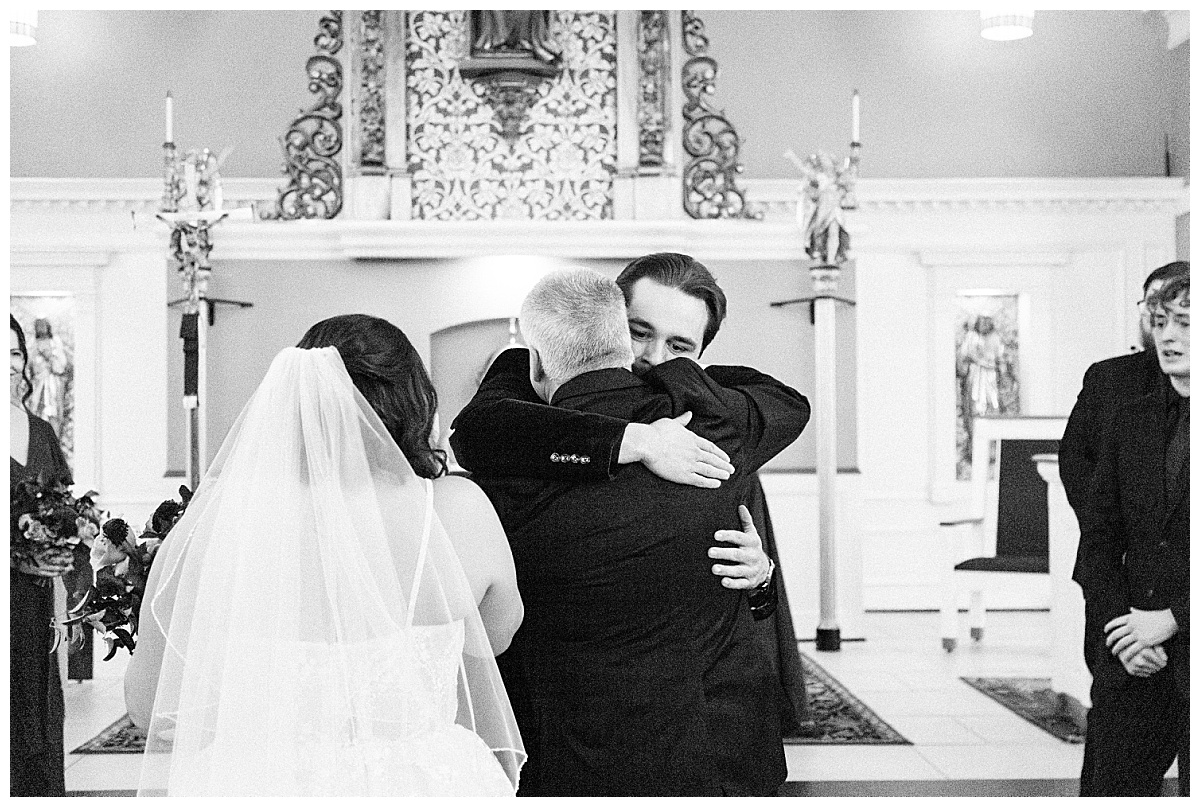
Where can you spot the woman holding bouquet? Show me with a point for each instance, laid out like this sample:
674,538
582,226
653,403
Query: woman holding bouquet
323,619
35,689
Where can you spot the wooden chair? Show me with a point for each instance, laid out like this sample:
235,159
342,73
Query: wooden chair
1005,531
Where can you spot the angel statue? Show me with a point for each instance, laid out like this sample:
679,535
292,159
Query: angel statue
828,190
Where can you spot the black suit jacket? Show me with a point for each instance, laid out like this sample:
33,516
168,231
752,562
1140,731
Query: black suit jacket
506,430
1107,386
634,672
1134,544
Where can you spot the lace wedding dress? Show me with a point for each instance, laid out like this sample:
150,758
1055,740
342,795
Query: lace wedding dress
321,636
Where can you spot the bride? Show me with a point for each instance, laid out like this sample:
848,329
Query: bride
324,618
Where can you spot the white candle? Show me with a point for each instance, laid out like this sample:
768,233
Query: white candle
854,109
170,116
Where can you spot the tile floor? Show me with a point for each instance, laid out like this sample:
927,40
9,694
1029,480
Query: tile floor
900,671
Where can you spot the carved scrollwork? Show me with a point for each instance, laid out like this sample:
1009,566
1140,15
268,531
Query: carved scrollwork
562,161
652,89
371,120
329,37
710,188
313,142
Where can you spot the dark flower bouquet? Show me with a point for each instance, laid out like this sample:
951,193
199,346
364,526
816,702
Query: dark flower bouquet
122,561
47,522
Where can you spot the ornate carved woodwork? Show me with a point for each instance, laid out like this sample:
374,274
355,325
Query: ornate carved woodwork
652,87
314,141
372,80
710,189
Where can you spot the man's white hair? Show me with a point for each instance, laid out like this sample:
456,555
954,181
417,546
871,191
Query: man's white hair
576,320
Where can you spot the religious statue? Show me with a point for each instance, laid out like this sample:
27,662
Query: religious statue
48,367
515,33
828,190
200,188
981,358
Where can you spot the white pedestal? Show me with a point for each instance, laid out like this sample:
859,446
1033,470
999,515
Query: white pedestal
1068,673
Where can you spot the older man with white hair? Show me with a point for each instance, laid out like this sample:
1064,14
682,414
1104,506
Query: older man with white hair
626,627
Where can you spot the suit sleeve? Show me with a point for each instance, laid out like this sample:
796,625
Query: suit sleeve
507,430
1181,609
736,404
1099,563
1077,449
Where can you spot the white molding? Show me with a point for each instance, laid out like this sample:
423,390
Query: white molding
964,258
776,238
1065,194
57,256
882,194
130,194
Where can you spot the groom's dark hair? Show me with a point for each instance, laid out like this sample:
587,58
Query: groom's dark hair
389,373
678,271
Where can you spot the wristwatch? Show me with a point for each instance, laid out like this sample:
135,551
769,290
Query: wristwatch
764,598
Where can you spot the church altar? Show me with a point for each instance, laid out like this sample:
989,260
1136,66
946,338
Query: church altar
446,199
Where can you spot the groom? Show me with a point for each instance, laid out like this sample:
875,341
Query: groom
619,672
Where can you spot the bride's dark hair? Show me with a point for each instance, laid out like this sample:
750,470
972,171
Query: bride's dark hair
388,371
26,384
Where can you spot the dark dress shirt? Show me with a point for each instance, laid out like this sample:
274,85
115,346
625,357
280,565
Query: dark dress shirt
634,672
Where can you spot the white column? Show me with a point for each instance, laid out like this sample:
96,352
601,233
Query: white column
825,281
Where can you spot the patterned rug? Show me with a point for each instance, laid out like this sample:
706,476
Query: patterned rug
1034,700
839,718
122,737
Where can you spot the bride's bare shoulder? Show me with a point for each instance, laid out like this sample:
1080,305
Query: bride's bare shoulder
459,493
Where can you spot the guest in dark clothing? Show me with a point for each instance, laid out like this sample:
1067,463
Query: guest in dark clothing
633,673
35,689
1107,386
675,309
1133,567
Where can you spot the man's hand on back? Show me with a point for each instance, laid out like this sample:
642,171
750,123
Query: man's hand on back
670,451
747,565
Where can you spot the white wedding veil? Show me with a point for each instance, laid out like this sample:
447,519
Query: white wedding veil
321,636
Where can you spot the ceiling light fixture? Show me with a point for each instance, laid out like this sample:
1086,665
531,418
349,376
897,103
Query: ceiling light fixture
22,27
1006,24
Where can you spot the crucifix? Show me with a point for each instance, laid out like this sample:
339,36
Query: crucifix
192,202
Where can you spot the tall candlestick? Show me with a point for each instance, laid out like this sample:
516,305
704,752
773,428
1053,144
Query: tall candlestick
854,110
170,117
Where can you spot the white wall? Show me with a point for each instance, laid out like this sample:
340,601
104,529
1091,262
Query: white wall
1079,266
116,277
1078,250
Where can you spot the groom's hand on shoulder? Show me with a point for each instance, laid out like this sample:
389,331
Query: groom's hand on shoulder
670,451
